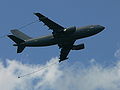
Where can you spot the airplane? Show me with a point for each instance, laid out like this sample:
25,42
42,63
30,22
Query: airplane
61,36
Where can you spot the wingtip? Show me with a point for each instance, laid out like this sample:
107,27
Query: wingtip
9,36
36,13
62,60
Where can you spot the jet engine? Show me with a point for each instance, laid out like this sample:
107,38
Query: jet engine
70,30
78,47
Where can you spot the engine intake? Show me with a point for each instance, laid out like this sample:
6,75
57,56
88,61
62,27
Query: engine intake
78,47
70,30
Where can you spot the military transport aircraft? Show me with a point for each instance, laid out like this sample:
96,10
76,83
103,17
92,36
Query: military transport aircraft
61,36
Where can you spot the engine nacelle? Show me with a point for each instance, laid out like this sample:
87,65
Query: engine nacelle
78,47
70,30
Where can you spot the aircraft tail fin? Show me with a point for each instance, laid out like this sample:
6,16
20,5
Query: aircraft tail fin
18,42
20,34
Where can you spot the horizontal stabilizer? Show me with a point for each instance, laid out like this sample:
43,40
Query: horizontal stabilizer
15,39
18,42
20,34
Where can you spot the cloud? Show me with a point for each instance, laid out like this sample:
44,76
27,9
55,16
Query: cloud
117,54
59,76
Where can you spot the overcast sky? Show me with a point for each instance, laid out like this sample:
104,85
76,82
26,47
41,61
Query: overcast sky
102,48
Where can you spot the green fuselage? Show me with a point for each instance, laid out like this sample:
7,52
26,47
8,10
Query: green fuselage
81,32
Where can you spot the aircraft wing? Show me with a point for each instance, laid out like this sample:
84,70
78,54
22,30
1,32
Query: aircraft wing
51,24
63,54
65,49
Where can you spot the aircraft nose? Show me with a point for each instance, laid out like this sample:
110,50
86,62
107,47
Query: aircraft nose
101,27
